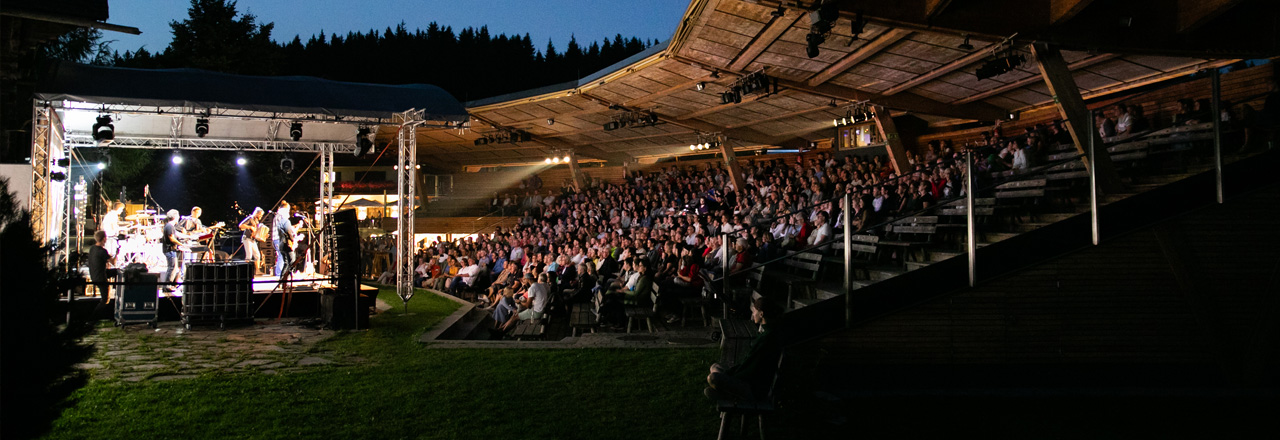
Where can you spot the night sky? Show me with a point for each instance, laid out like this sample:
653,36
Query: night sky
588,20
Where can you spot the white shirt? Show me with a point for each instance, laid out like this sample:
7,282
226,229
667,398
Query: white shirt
1122,123
540,293
820,235
468,273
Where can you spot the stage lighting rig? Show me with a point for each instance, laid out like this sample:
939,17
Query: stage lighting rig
176,158
820,23
104,130
295,131
504,136
364,145
202,127
752,83
632,118
855,114
706,141
286,165
1000,65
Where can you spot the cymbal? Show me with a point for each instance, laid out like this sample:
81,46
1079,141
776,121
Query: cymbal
145,211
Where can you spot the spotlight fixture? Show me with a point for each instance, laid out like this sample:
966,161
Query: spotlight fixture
715,74
705,142
63,162
820,23
295,131
555,160
753,83
1000,65
965,45
286,165
1012,116
566,159
57,176
504,135
631,118
176,158
240,160
102,166
854,115
779,12
548,161
202,127
364,145
104,130
551,121
482,141
417,167
701,86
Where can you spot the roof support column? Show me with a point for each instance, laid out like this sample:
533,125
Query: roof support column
893,142
1066,96
578,181
731,164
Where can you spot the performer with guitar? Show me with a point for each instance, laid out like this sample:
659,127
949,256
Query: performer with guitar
253,232
284,237
190,226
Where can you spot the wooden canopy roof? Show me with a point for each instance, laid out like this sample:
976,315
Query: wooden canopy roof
893,63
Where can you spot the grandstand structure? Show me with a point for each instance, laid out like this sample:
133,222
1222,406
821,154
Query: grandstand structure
1145,258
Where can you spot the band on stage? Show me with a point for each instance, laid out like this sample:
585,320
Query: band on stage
167,241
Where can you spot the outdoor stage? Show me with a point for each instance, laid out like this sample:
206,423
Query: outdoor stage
303,301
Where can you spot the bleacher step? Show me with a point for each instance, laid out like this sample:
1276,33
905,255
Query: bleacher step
995,237
803,302
913,265
882,274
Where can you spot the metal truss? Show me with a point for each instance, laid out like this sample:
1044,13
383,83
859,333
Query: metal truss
405,191
197,110
156,143
40,125
324,210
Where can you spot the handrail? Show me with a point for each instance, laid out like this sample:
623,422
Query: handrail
834,199
490,224
1027,175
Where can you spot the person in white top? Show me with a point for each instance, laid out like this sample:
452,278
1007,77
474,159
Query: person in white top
1124,122
111,226
821,230
466,276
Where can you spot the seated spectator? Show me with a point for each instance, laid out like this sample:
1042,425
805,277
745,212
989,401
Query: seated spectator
1106,126
534,304
465,276
750,379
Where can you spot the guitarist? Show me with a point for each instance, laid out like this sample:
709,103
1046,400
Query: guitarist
191,226
283,236
250,237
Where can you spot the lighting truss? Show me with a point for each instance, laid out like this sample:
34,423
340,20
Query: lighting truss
631,118
752,83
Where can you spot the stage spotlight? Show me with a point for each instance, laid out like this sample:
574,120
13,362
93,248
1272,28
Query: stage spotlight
612,125
57,176
103,130
363,144
779,12
548,161
814,40
417,167
701,86
693,147
566,159
295,131
555,160
551,121
63,162
102,166
286,165
176,159
202,127
240,160
965,45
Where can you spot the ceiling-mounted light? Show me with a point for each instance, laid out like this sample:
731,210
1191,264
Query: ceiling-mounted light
295,131
176,158
548,161
779,12
104,130
566,159
102,166
286,165
57,176
202,127
240,159
701,85
551,121
612,125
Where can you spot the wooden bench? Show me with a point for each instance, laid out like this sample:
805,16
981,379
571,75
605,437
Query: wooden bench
583,318
531,329
698,303
733,350
912,233
801,272
1030,188
646,313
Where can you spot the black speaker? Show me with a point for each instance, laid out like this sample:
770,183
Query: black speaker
346,250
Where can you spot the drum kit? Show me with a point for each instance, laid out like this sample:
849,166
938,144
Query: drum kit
139,239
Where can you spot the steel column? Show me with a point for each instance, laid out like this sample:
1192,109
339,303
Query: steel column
1093,181
971,218
1216,78
847,224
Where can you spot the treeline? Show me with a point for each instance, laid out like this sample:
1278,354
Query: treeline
471,64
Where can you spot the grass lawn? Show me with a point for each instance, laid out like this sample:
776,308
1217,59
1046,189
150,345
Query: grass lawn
405,390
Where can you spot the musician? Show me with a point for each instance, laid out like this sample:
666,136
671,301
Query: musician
191,225
99,261
172,243
282,236
249,227
110,225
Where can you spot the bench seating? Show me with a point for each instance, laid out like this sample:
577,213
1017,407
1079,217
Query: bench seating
759,407
635,313
583,318
531,329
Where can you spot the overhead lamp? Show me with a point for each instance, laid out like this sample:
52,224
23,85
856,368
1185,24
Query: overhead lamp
701,85
548,161
104,130
240,160
1000,66
779,12
364,145
295,131
202,127
482,141
102,166
176,158
57,176
286,165
555,160
566,159
612,125
965,45
715,74
551,121
63,162
417,167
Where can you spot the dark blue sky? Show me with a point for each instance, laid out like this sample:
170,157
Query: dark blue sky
542,19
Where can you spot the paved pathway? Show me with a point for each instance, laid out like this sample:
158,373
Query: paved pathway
137,352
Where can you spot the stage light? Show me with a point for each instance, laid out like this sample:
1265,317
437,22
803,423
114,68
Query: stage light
295,131
102,166
202,127
555,160
363,144
778,12
551,121
813,41
566,159
286,165
417,167
612,125
701,86
548,161
693,147
240,160
63,162
176,159
856,25
965,45
57,176
1000,66
103,130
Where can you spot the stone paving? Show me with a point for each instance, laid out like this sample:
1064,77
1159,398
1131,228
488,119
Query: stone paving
137,353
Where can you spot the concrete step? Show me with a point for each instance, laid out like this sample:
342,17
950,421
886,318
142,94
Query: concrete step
936,255
913,265
1053,217
1028,227
882,274
995,237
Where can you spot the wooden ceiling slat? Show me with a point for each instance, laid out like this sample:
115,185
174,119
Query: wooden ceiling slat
1120,70
948,68
775,29
1033,79
903,64
868,50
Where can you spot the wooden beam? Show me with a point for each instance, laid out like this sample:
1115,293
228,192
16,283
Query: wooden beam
893,142
932,8
1062,10
778,116
873,47
735,170
667,91
716,108
1035,79
1066,95
767,36
945,69
1195,13
904,101
578,181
